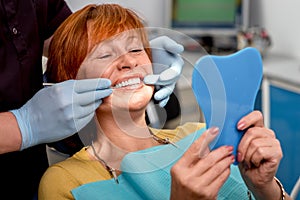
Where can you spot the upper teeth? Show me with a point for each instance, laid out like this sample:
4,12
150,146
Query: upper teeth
131,81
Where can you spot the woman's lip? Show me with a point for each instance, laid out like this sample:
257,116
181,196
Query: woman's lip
129,87
129,84
140,76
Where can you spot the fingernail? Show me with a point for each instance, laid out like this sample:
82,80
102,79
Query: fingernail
239,157
214,130
232,158
229,148
241,126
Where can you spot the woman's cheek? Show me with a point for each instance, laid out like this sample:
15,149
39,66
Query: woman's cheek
107,100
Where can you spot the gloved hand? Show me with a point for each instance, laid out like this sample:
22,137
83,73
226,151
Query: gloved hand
61,110
167,67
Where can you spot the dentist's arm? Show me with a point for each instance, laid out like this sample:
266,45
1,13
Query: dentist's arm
52,114
10,136
167,67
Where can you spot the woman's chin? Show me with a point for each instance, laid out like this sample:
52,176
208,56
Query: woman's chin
130,104
134,99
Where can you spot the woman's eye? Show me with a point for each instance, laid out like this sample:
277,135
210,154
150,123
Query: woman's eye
104,56
137,50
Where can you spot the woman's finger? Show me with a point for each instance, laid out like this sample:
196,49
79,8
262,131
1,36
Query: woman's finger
212,173
257,146
262,151
250,135
203,185
254,118
199,148
209,162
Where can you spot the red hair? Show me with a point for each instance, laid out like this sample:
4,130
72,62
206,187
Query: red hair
82,31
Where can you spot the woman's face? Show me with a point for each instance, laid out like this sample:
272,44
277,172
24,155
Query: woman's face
123,60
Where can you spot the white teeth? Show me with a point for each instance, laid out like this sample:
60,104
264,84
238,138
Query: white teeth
131,81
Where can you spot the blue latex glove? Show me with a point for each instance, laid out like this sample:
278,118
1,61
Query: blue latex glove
167,67
61,110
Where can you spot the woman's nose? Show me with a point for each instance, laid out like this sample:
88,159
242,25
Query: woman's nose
126,62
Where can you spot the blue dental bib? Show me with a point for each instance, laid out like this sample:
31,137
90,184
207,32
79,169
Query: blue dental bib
146,176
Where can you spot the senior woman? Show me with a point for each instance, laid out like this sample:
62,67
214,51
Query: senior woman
109,41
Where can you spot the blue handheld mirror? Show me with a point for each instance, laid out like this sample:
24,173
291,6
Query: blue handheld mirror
225,88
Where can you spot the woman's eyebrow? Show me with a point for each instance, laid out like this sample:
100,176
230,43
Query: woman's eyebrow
132,37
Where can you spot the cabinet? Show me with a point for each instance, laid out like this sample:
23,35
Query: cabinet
281,108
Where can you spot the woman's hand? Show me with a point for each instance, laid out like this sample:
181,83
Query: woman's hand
199,174
259,154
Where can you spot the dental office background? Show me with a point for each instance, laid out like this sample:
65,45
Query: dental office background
280,92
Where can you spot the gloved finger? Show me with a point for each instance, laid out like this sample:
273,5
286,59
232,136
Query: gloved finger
83,121
164,92
86,85
166,43
164,102
91,96
171,74
167,77
151,79
80,112
172,46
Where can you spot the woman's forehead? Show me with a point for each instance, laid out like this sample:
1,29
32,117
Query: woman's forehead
126,36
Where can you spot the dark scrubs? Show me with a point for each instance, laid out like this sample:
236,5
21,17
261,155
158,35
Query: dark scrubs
24,25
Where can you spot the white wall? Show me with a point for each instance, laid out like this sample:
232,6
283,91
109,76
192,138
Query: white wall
151,10
279,17
282,20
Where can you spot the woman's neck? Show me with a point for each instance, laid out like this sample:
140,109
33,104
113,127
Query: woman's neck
119,134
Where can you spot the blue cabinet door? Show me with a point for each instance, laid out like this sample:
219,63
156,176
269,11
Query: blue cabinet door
285,121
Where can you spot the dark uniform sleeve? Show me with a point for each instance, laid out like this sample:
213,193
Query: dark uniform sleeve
24,25
58,12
